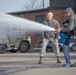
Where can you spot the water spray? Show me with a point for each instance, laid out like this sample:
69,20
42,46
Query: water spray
9,20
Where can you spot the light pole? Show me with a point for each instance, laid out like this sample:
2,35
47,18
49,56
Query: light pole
43,4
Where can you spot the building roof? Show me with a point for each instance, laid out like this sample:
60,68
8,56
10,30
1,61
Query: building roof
37,10
30,11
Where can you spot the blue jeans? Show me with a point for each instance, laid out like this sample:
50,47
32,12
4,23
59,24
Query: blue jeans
66,53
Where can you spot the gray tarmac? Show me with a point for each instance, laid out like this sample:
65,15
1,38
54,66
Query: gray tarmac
27,64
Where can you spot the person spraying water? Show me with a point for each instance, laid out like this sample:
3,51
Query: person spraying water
51,36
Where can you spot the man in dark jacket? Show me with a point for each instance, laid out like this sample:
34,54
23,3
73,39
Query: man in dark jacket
50,36
71,28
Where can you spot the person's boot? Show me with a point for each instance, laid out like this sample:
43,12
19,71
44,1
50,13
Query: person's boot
40,61
58,59
73,65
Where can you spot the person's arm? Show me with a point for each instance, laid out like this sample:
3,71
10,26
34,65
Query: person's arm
57,28
57,25
70,26
45,33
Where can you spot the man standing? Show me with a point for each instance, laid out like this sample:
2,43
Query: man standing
71,29
50,36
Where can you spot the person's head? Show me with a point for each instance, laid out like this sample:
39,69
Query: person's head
68,12
49,16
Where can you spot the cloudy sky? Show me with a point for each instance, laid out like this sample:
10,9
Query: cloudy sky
15,5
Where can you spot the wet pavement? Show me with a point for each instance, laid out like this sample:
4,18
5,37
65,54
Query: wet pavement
10,70
23,63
